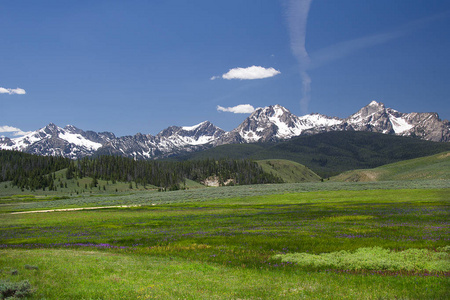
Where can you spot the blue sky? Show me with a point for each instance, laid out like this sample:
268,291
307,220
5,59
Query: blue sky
141,66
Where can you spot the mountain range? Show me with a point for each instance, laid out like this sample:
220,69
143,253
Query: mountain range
269,124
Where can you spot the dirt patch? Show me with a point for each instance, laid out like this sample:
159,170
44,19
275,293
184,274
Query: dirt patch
370,176
72,209
445,155
214,181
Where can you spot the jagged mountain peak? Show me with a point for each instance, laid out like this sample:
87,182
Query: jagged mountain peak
375,103
368,110
271,115
197,127
71,128
270,111
51,128
204,128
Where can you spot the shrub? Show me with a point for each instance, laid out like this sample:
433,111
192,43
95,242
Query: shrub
375,258
13,290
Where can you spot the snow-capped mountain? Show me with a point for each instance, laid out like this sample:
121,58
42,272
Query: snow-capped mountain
375,117
171,141
75,143
268,124
274,123
53,140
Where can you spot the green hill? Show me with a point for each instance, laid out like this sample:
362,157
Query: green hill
289,171
430,167
331,153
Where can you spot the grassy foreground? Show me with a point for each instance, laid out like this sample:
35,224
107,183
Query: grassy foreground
82,274
232,248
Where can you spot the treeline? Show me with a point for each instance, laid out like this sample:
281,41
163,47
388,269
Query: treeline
37,172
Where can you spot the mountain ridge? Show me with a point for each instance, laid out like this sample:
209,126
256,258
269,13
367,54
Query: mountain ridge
274,123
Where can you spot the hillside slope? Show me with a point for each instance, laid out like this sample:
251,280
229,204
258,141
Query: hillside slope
430,167
289,171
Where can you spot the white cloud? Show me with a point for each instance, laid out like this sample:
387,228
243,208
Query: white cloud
17,91
15,131
249,73
238,109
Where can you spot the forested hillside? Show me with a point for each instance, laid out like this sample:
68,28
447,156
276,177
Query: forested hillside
331,153
30,171
37,172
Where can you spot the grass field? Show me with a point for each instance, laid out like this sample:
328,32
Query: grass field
252,242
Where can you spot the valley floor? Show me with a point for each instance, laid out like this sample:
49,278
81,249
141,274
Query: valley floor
227,243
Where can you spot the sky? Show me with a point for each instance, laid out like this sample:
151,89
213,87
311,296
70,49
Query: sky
142,66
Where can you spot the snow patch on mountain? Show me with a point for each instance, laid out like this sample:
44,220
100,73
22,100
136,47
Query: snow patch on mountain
79,140
400,125
192,128
313,120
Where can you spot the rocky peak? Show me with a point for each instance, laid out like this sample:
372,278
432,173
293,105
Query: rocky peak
73,129
270,123
367,111
205,128
272,111
51,129
169,131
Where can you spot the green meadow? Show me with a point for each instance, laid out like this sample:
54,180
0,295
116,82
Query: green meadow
323,240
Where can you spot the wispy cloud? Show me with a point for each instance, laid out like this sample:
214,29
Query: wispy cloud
238,109
343,49
17,91
346,48
13,130
297,17
249,73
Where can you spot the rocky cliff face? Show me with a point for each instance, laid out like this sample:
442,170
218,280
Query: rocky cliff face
268,124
